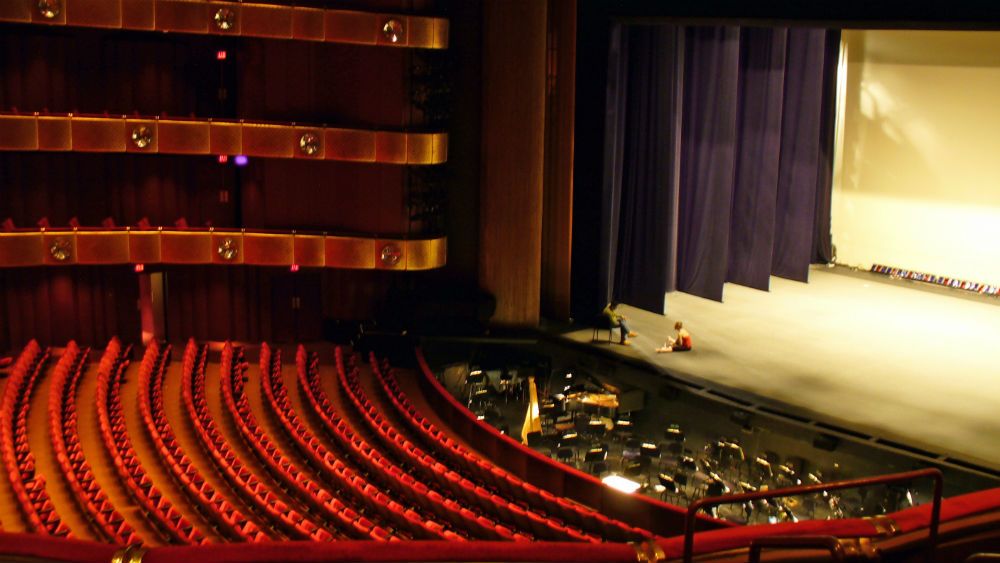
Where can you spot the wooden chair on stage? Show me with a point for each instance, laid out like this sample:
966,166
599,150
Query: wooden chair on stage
600,323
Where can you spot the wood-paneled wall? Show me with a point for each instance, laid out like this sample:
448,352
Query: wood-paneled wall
557,212
513,145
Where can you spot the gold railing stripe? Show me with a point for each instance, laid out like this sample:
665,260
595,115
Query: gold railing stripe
152,135
884,525
94,247
236,19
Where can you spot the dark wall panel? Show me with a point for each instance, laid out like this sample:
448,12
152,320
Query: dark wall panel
325,196
126,188
341,85
218,303
56,305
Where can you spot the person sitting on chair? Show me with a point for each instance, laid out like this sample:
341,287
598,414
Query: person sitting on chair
679,343
618,320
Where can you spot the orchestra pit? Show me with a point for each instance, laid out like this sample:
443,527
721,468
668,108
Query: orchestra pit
498,281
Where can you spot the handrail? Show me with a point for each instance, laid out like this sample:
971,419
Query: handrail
831,543
977,557
932,473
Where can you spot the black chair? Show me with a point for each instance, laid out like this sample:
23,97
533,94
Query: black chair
601,322
687,463
668,487
534,439
636,467
475,377
565,455
595,428
595,454
599,468
682,481
674,433
569,439
623,429
675,449
649,450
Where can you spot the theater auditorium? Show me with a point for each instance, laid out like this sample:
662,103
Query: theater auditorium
499,281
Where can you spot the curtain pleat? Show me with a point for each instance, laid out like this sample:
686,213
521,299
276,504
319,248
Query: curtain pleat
750,170
708,151
644,245
755,186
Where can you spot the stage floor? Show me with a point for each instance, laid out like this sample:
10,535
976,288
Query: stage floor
895,362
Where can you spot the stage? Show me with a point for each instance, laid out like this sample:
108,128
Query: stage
883,358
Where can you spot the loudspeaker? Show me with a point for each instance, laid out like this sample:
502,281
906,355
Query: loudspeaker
826,442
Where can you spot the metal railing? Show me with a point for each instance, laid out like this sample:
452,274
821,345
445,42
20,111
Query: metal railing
935,474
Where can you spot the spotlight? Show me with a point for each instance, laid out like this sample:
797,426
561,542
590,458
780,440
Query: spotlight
223,159
241,160
139,268
294,268
221,55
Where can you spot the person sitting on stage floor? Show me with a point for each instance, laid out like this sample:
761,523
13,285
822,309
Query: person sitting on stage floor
679,343
618,320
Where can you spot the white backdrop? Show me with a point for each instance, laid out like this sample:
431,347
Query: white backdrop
917,174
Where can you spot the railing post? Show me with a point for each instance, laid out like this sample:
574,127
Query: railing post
932,535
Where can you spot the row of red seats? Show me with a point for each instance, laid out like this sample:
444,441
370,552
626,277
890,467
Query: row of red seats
168,521
490,475
541,525
297,483
18,460
227,520
397,478
268,506
106,522
325,462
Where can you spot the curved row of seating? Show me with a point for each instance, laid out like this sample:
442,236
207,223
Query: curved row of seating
475,468
293,524
104,520
160,512
227,520
337,513
393,476
432,471
326,463
18,460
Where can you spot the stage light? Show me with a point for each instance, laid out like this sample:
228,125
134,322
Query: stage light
139,268
223,159
294,268
620,483
221,55
241,160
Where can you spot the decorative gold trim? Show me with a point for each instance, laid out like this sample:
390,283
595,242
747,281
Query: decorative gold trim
649,552
95,247
884,525
237,18
68,132
128,554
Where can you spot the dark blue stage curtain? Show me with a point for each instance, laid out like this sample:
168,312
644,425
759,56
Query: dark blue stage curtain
642,251
717,160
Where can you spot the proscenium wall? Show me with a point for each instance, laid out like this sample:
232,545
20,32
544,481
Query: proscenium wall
917,183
